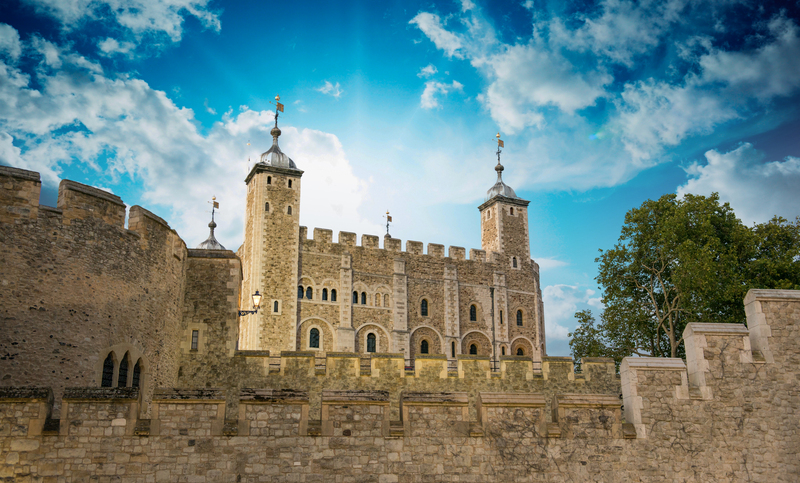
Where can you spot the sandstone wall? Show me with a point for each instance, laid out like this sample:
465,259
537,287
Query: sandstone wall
729,413
76,285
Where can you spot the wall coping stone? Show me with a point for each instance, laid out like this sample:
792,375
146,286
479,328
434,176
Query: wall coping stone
92,191
653,363
437,398
250,395
246,353
150,215
20,173
375,397
201,253
774,295
717,329
388,355
431,356
298,354
173,394
343,355
597,360
515,358
557,359
586,401
101,393
471,357
503,399
25,392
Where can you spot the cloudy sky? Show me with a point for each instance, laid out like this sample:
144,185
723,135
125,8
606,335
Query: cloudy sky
394,105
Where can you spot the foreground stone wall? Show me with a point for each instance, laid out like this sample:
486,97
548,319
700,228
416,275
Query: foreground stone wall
76,285
730,412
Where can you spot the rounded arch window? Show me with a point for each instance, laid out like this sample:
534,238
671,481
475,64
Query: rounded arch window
511,210
324,294
514,262
453,348
473,313
519,318
333,295
313,338
377,300
386,300
371,342
363,298
355,297
288,210
300,291
503,351
423,347
423,308
473,349
520,351
275,306
266,206
309,293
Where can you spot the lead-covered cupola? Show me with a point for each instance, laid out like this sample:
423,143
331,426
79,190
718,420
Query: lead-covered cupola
274,157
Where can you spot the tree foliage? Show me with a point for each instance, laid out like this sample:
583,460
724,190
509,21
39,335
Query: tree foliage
679,261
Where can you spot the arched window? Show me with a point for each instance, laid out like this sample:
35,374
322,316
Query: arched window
288,210
511,210
300,291
290,183
423,308
266,206
363,298
519,318
370,342
503,351
514,262
137,374
386,300
453,349
313,338
520,351
377,300
108,371
309,292
473,313
473,349
324,294
423,347
275,306
269,179
122,379
355,297
333,295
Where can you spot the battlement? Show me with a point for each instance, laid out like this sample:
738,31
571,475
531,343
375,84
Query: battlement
323,240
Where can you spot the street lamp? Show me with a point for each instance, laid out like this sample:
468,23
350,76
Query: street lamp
256,305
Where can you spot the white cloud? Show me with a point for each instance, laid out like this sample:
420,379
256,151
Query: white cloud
9,41
431,26
467,5
110,46
330,89
81,115
427,71
432,88
560,304
756,190
549,263
209,109
138,17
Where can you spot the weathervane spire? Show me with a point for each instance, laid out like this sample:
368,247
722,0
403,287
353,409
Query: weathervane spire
276,132
499,168
388,220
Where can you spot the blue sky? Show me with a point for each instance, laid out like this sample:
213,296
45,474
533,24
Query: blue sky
394,105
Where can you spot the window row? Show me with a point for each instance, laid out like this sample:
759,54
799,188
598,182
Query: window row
308,293
380,299
269,181
288,208
125,376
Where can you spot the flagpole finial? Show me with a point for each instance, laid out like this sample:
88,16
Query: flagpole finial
499,168
388,220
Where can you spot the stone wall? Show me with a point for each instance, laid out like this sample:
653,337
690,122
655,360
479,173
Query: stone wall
76,285
730,412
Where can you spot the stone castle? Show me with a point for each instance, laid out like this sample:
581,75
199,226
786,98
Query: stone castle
126,356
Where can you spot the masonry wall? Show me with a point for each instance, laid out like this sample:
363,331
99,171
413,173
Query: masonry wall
76,285
730,412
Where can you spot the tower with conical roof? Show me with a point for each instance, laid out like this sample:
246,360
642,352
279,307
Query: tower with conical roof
270,250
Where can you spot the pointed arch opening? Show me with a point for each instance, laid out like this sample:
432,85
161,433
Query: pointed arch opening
108,371
137,374
122,379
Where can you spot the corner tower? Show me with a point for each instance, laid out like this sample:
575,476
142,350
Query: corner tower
504,220
270,251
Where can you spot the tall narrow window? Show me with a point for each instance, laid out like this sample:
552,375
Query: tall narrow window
300,291
122,379
309,292
501,317
363,298
511,210
519,318
324,294
423,347
453,349
386,300
290,183
266,206
355,297
520,352
514,262
288,210
370,342
423,308
313,338
137,374
502,351
269,179
333,295
473,349
377,300
473,313
275,306
108,371
195,337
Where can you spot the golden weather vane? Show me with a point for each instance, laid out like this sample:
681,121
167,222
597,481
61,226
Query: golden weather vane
388,220
214,206
278,107
500,144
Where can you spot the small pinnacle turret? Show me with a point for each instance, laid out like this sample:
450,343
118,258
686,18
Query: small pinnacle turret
500,188
211,242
